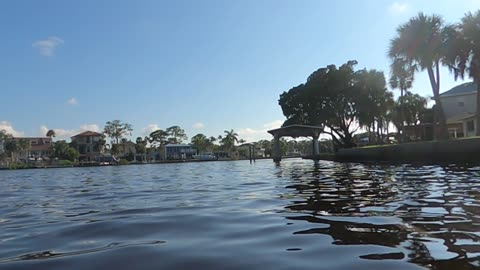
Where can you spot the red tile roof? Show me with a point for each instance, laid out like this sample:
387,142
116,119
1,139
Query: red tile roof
87,133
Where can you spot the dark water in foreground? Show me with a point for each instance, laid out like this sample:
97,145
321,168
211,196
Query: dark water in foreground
233,215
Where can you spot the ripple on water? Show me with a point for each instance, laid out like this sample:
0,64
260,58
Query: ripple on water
237,215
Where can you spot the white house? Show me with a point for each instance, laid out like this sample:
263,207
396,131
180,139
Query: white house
460,105
179,151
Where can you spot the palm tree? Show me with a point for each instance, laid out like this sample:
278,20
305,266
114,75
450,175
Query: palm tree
51,133
402,76
464,53
200,141
11,147
101,144
23,145
124,143
421,42
230,139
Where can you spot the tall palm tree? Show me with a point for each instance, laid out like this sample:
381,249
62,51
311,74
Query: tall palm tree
421,41
464,53
402,76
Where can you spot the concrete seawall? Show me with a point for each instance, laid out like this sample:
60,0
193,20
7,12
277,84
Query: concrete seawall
445,151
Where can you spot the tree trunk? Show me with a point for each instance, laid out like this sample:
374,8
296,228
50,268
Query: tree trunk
440,130
477,130
402,118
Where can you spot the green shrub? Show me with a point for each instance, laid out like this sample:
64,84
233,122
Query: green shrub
123,161
65,162
15,166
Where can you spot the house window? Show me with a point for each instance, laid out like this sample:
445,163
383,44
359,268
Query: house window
461,104
452,132
470,126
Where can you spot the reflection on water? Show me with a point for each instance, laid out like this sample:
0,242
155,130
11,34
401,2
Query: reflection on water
233,215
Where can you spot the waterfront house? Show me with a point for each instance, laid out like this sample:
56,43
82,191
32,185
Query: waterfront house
244,151
125,149
39,148
222,154
460,105
179,151
87,144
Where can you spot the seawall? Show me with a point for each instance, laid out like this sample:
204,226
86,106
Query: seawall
462,150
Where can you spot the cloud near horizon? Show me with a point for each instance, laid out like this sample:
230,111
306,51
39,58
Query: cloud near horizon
398,8
8,128
198,125
150,128
47,47
64,134
252,135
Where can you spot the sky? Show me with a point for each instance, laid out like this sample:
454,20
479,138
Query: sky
206,66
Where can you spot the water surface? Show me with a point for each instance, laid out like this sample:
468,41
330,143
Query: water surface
233,215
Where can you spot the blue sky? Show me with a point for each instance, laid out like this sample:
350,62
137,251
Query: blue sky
206,66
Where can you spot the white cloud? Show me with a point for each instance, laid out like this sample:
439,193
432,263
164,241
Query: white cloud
252,134
64,134
398,8
198,125
7,126
273,125
150,128
72,101
47,47
90,127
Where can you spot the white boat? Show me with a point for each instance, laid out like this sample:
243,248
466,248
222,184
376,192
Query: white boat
205,156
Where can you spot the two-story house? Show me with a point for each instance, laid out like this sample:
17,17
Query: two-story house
39,148
87,144
179,151
460,105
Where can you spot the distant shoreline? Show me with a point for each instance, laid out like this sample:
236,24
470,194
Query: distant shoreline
133,163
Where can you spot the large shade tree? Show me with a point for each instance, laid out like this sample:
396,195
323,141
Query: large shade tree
117,130
421,42
158,138
337,99
176,134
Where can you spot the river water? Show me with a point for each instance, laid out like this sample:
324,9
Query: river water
234,215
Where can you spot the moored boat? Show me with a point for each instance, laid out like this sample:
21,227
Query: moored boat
205,156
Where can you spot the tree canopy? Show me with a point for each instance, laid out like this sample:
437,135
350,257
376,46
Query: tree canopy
117,130
201,142
63,150
176,134
339,99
